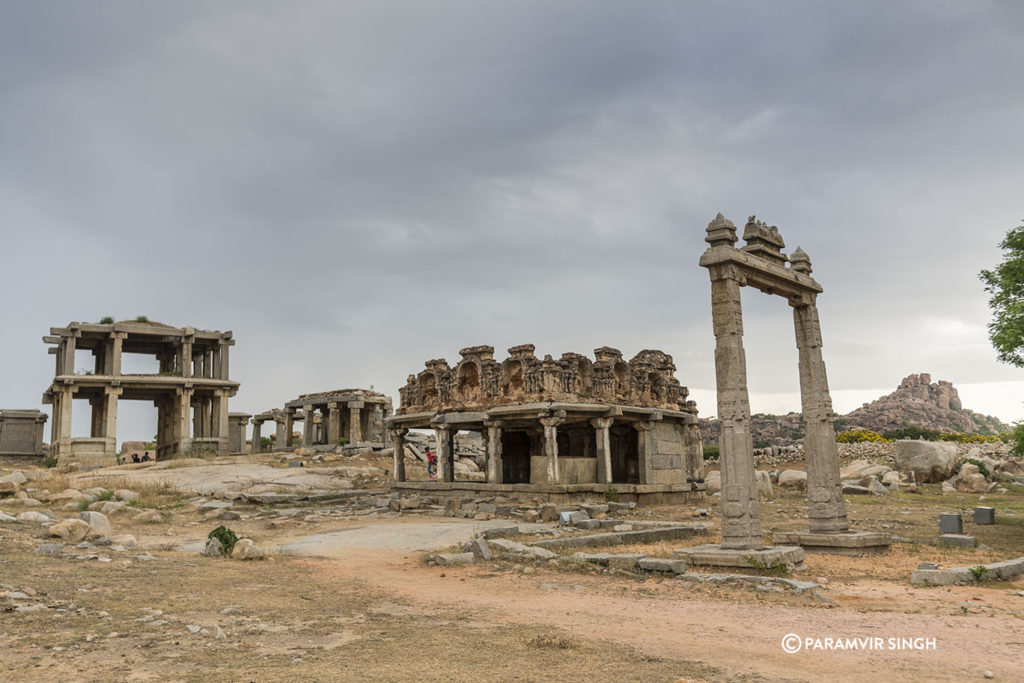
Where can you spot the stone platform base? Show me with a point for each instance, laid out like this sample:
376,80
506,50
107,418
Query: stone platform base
763,558
641,494
846,543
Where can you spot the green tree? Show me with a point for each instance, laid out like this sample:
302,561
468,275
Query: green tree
1005,285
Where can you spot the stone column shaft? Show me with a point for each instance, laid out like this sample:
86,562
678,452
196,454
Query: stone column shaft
355,424
445,464
307,426
289,427
110,414
693,453
602,439
826,508
280,435
741,519
550,425
495,468
333,424
398,441
257,438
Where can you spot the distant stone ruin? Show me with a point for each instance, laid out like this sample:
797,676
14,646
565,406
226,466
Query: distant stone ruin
353,415
190,389
571,421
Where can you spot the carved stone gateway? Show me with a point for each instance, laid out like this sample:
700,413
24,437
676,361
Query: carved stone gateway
762,264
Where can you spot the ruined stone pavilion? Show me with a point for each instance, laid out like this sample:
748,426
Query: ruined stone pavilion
190,388
761,264
558,429
353,415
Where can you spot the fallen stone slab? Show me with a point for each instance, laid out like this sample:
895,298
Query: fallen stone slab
797,586
959,540
518,549
655,564
1008,569
625,561
668,533
453,559
50,549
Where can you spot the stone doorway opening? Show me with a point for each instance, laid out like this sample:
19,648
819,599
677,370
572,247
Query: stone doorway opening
515,457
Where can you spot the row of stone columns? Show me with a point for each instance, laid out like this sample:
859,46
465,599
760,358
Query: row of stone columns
494,469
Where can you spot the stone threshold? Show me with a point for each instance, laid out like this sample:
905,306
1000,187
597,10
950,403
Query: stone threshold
1008,569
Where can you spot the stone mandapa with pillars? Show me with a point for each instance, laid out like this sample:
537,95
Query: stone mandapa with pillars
357,415
762,265
560,429
190,389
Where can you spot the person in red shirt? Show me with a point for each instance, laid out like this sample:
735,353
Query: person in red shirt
431,463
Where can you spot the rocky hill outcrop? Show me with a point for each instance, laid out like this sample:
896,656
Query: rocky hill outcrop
917,402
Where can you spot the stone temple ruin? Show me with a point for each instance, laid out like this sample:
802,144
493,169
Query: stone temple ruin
190,389
761,264
564,428
21,433
329,418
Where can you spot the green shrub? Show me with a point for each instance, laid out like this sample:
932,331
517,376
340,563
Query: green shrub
226,536
107,320
1017,438
611,494
50,461
141,319
711,452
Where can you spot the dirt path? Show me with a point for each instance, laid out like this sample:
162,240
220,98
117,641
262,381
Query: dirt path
664,620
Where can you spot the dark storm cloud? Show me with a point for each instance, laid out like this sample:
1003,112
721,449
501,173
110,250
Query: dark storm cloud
356,187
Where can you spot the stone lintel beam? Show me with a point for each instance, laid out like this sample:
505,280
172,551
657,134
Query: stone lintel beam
771,278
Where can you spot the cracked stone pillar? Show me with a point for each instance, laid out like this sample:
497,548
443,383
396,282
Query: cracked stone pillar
398,441
741,520
445,464
182,408
826,508
601,426
550,425
495,472
308,426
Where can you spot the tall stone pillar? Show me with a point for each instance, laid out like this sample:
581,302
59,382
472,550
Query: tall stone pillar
550,425
110,426
182,408
398,440
289,428
601,426
222,423
741,519
445,457
355,423
224,367
333,423
495,469
96,406
63,424
257,437
308,428
826,508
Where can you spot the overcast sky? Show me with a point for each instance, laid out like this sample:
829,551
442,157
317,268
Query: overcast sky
355,188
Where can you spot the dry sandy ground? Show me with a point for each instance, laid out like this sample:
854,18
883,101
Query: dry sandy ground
360,603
